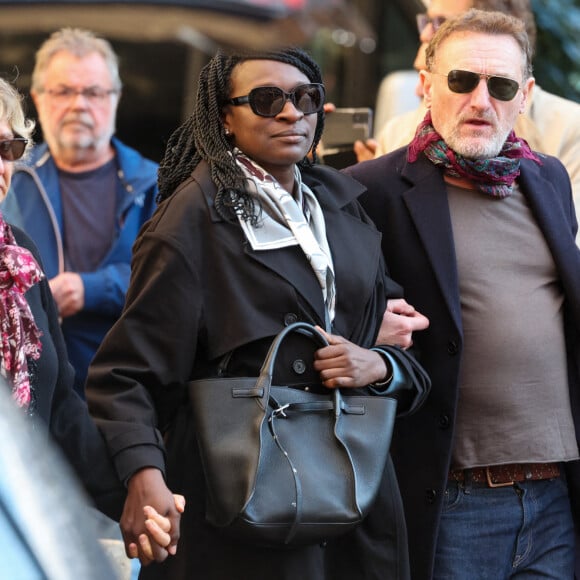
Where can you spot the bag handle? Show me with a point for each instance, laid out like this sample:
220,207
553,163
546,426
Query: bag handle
412,381
267,371
264,382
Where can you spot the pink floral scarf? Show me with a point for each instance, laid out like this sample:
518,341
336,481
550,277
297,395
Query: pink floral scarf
20,337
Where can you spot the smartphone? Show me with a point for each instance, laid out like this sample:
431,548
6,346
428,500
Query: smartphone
344,126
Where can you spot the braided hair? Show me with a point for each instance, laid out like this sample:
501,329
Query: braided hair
202,136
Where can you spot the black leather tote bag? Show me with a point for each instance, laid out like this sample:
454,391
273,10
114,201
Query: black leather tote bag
289,466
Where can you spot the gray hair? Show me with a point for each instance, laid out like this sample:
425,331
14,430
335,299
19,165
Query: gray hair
494,23
12,111
79,42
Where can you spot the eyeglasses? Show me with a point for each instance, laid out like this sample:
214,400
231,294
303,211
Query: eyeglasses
269,101
423,20
464,81
94,95
12,149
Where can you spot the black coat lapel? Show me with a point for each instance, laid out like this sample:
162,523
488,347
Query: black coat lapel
553,212
428,207
355,245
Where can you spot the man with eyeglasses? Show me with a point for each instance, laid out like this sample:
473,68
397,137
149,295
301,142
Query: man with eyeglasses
480,232
83,194
550,123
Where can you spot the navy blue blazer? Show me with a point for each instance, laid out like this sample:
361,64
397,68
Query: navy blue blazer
408,202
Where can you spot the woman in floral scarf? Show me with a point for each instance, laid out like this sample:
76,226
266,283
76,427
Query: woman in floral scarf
33,359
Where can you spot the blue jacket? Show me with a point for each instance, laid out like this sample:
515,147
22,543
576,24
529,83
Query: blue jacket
34,204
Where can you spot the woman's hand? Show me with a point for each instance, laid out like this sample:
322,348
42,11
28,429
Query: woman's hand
344,364
149,500
400,320
159,529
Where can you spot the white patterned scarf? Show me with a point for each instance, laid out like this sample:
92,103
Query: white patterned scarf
289,220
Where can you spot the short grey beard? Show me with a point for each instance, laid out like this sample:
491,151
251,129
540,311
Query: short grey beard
79,145
476,151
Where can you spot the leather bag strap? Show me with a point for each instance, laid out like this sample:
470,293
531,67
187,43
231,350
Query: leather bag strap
267,371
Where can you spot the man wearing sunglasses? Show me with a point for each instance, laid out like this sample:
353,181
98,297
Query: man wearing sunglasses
550,124
480,232
82,195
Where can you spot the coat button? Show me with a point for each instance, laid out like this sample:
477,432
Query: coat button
444,422
290,318
430,495
452,347
299,366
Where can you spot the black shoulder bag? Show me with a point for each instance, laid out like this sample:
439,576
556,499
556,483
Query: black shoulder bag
289,466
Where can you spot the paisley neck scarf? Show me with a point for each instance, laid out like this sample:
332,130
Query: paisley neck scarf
494,176
19,335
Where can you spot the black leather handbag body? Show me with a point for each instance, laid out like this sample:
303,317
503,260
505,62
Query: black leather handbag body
289,466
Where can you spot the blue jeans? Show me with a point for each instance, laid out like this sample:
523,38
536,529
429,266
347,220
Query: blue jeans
521,531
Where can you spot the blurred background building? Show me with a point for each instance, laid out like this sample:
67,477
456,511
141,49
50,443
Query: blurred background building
163,44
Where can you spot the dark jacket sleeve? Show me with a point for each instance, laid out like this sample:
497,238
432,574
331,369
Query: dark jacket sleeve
66,416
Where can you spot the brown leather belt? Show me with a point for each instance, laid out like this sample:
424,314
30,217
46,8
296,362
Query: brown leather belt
504,475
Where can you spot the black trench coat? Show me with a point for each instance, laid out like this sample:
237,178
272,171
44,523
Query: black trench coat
199,291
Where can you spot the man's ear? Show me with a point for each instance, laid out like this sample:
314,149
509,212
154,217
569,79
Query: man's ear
425,79
527,91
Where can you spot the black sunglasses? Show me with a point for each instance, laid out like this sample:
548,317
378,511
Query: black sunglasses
423,20
269,101
12,149
464,81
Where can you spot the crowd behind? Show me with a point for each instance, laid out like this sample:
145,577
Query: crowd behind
453,239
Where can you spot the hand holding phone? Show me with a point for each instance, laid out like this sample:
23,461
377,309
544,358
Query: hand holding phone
344,126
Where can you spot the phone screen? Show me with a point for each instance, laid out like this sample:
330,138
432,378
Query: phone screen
344,126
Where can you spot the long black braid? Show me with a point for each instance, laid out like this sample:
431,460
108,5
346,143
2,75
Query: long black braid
202,135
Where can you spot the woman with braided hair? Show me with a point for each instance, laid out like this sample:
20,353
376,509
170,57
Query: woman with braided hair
249,236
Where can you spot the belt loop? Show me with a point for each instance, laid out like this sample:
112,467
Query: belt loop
467,481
